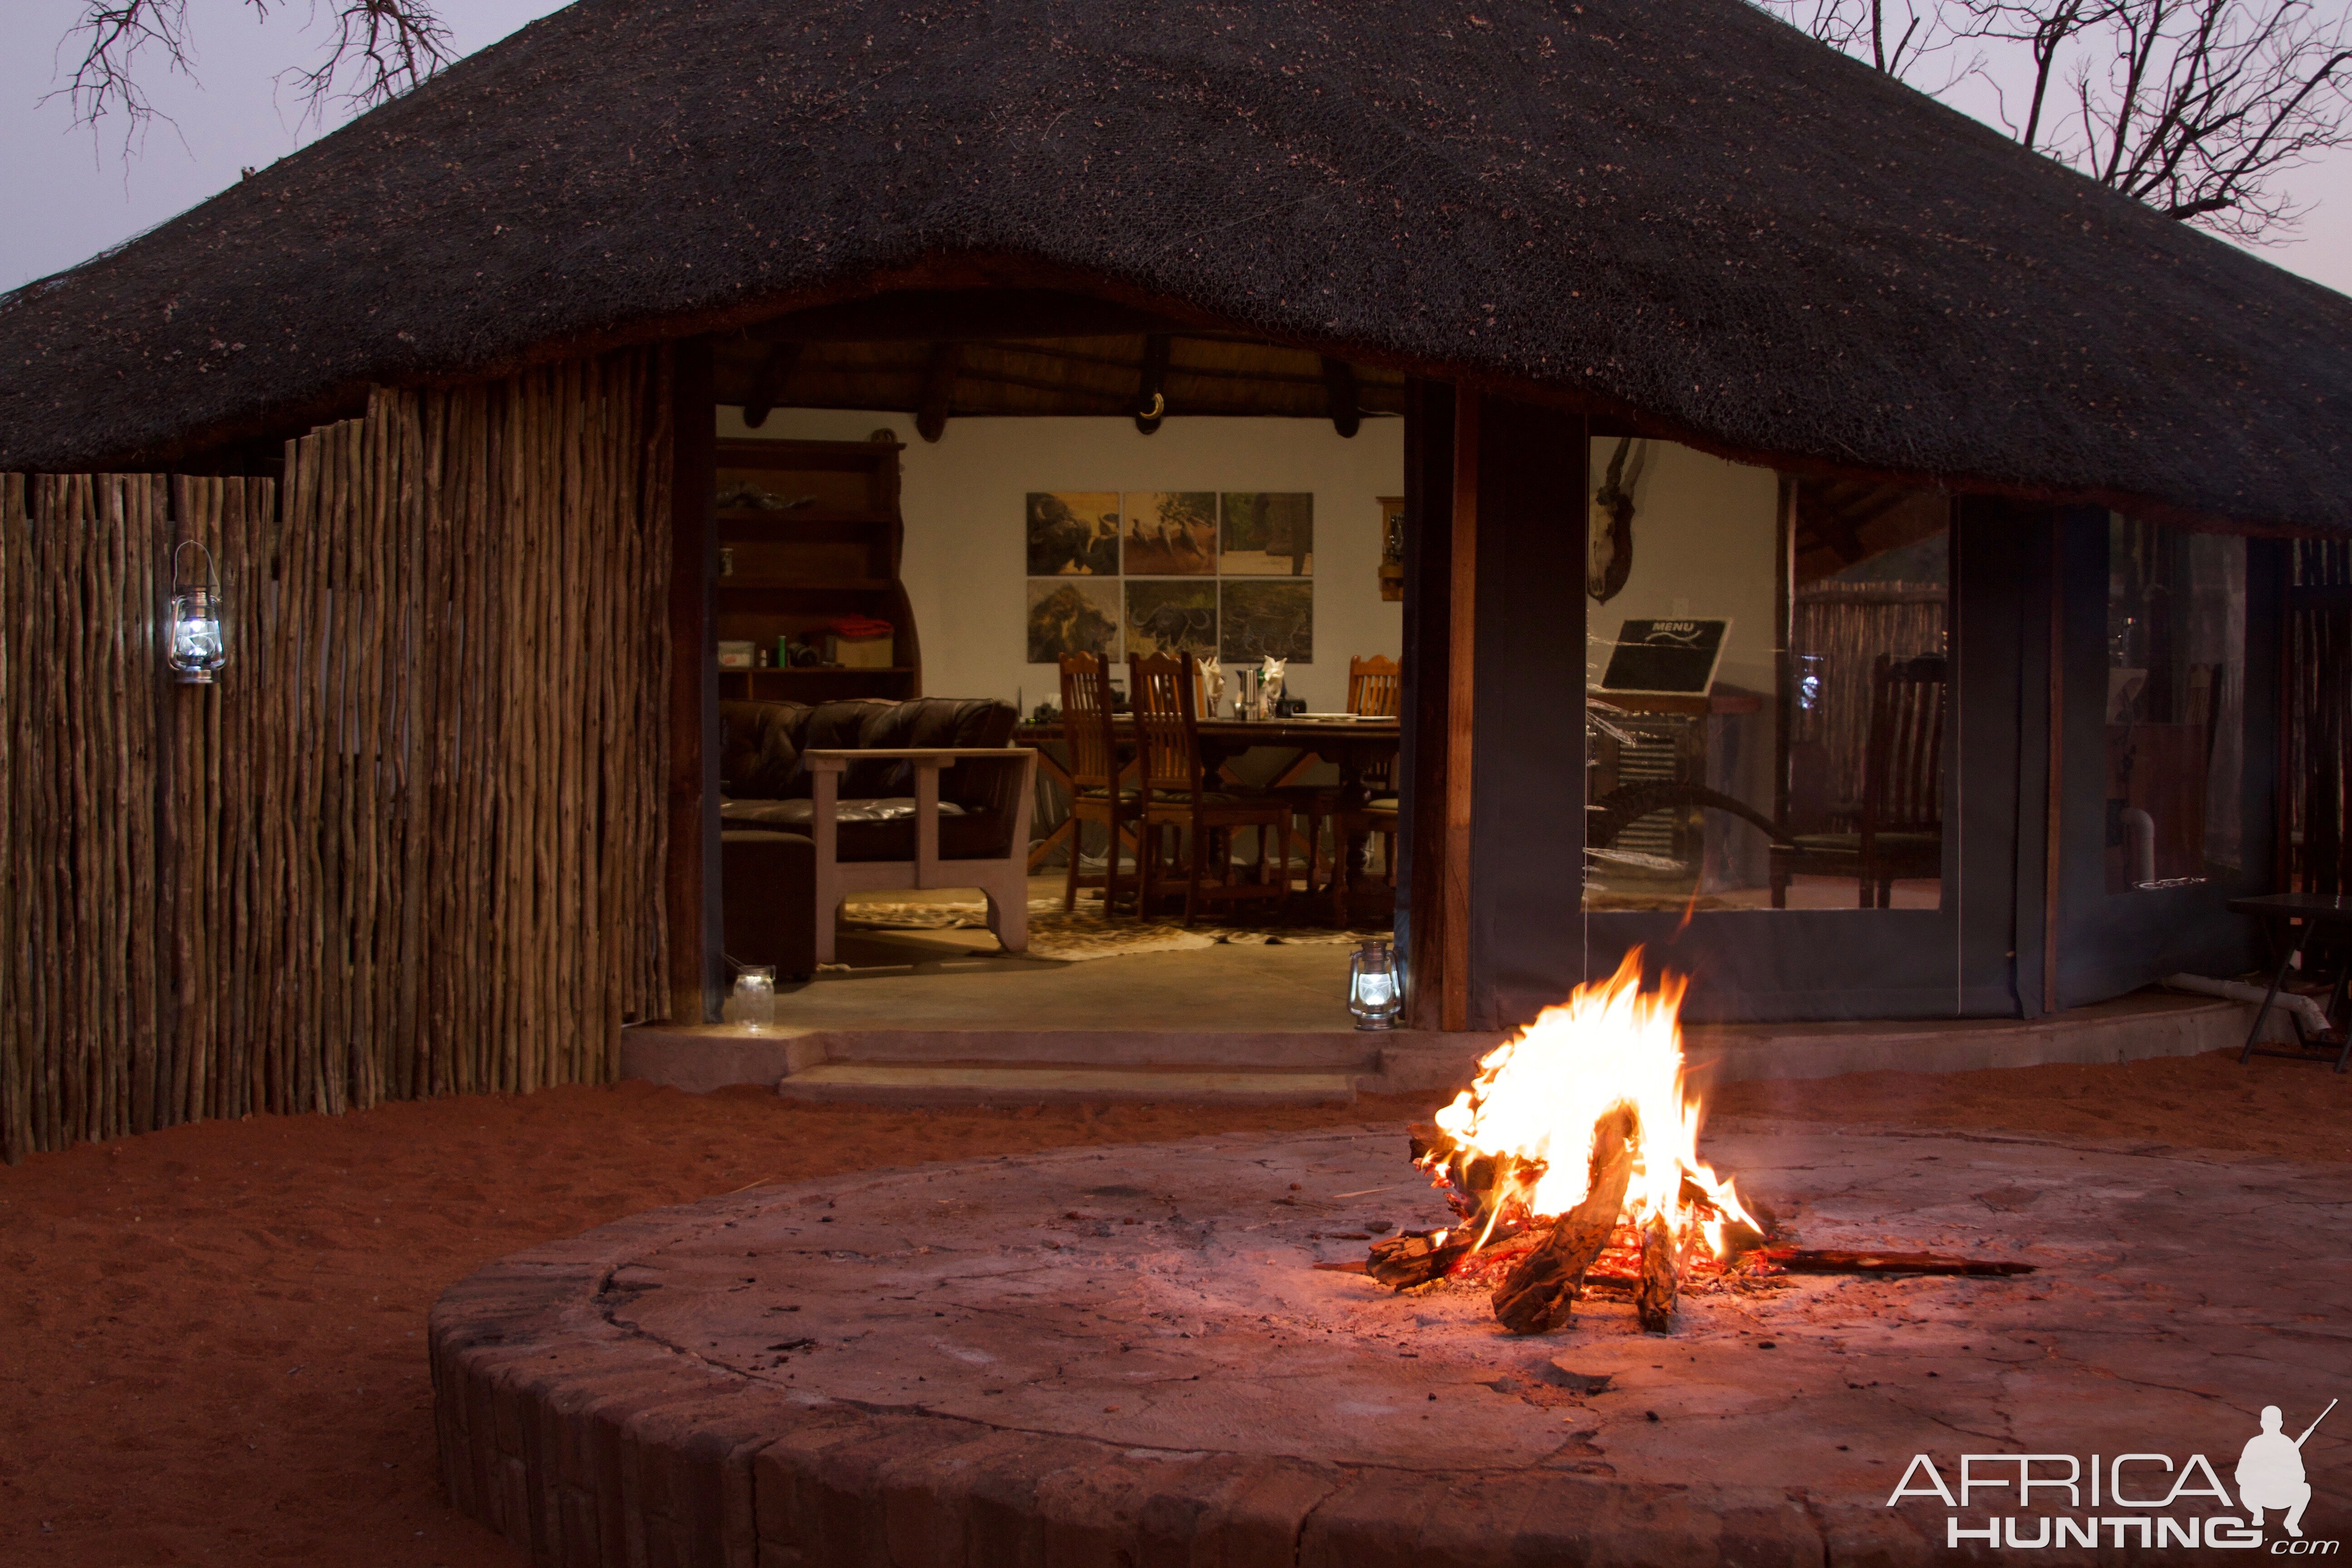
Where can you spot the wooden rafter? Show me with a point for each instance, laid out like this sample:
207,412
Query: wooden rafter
1151,388
1339,385
768,386
939,389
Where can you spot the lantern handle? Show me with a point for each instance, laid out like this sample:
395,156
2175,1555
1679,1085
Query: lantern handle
212,571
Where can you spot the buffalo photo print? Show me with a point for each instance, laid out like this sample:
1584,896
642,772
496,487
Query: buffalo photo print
1074,533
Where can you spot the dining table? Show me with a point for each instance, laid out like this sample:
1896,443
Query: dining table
1356,745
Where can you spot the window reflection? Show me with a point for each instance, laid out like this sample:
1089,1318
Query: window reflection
2176,705
1765,687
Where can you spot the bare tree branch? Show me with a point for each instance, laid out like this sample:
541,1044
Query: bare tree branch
2194,107
390,46
383,48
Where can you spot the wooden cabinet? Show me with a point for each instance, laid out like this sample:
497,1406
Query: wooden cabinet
810,531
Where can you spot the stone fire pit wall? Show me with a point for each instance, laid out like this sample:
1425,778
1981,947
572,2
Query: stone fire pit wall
1125,1358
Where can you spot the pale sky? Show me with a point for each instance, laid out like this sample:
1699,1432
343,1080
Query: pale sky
70,196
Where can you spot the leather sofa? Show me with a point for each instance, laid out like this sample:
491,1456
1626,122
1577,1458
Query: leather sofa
779,761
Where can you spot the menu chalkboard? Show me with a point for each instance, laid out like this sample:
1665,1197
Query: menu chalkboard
1665,659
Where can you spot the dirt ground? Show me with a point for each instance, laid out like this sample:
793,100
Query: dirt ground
214,1335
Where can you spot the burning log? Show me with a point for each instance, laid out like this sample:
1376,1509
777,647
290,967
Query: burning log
1803,1260
1654,1300
1538,1295
1417,1256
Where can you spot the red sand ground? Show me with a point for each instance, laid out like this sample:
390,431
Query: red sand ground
214,1334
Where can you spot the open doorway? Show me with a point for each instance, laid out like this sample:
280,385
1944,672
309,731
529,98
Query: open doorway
921,507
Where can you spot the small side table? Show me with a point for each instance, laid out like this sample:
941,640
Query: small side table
2305,915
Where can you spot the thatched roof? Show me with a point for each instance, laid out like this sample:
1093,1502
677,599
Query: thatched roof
1677,209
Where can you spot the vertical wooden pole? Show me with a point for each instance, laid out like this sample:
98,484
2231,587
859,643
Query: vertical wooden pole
1521,812
1461,676
691,875
2053,828
1428,610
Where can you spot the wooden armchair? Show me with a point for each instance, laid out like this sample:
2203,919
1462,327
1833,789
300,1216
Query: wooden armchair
1097,793
1900,832
993,858
1162,695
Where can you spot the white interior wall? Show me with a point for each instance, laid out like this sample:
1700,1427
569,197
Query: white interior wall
1705,531
964,497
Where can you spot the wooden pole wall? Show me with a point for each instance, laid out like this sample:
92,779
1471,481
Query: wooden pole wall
412,842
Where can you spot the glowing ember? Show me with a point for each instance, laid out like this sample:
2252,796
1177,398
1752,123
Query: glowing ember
1539,1098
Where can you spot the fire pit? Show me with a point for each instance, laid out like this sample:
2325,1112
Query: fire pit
1103,1356
1571,1163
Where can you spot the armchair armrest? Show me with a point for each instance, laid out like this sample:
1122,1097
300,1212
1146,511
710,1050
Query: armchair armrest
835,759
826,766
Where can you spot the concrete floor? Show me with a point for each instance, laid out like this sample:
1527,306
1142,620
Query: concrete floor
942,1016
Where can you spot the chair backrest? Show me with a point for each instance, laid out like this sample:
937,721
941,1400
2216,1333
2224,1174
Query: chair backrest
1087,723
1374,686
1902,773
1160,692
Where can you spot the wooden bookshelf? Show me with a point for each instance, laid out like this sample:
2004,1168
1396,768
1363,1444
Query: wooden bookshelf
828,547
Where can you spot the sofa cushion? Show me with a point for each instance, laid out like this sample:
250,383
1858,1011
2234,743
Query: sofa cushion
801,814
926,721
759,748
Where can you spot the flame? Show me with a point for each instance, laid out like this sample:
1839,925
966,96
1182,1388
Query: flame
1538,1096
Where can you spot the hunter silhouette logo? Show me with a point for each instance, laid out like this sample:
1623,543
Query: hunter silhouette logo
2149,1501
2270,1471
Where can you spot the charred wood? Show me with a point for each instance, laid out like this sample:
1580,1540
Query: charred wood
1806,1260
1654,1298
1416,1257
1539,1294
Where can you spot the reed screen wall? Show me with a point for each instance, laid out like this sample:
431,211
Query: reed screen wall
412,842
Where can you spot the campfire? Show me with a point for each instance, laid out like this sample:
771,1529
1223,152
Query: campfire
1572,1160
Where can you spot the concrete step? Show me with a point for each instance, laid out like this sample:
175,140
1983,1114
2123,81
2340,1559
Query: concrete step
1102,1064
711,1056
1032,1083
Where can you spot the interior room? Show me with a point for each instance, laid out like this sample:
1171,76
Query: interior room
902,519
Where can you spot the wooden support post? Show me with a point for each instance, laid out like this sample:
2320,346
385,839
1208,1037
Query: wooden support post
1520,519
1421,771
1461,713
2055,823
690,879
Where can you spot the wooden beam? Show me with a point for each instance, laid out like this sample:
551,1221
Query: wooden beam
963,315
938,390
768,384
690,876
1150,394
1339,385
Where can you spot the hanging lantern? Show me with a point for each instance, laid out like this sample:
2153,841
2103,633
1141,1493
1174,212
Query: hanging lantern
1375,994
753,1005
197,649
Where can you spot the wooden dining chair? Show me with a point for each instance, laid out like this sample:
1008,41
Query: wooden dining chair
1176,795
1375,687
1375,690
1097,790
1900,830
